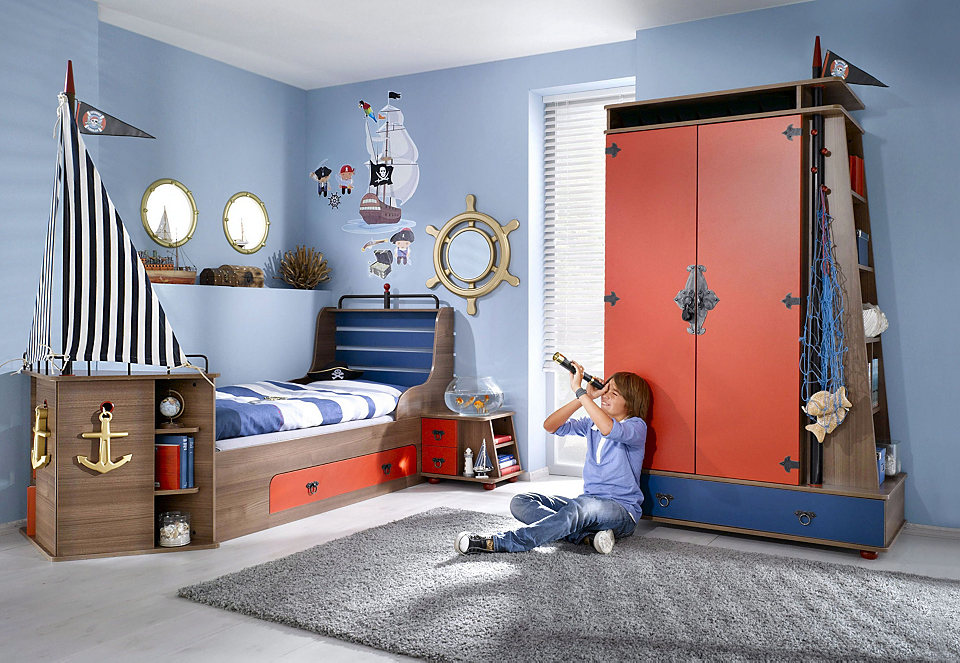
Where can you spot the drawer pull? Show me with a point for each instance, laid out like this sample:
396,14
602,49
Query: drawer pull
438,434
663,499
312,487
386,468
805,517
438,462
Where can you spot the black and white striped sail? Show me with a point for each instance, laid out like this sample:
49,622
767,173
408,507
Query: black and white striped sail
110,311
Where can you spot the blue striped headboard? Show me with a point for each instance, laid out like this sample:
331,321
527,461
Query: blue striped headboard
394,346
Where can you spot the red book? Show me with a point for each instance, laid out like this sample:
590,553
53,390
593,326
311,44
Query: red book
509,470
500,439
166,466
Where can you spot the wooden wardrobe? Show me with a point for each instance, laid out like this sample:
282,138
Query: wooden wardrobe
712,191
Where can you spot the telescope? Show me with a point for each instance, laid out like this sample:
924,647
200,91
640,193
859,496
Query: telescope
595,382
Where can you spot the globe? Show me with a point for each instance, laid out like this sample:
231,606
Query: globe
171,406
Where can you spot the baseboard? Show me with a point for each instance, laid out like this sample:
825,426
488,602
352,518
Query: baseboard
932,530
535,475
12,526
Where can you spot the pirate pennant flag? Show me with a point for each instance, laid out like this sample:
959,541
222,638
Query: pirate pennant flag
93,121
393,95
380,174
834,65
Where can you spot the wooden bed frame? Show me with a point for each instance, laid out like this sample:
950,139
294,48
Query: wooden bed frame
389,345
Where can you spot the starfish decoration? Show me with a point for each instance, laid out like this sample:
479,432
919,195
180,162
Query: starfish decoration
334,200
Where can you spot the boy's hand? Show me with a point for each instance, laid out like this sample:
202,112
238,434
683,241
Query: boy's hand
577,377
595,393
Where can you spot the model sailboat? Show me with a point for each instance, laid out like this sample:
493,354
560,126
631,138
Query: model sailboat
163,269
394,173
110,311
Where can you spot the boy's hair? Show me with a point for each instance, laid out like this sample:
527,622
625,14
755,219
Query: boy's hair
636,392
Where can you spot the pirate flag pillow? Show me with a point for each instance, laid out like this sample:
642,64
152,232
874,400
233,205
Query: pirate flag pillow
335,371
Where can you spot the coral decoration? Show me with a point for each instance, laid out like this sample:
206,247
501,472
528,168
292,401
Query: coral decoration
304,268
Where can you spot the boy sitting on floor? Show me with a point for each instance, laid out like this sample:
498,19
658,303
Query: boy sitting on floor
610,505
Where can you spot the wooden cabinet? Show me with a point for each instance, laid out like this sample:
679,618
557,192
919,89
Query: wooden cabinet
723,204
81,512
713,191
445,437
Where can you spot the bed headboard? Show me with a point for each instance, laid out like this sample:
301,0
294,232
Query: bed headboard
409,347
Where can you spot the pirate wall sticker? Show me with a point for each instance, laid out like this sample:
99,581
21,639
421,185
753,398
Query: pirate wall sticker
401,240
346,179
322,177
394,175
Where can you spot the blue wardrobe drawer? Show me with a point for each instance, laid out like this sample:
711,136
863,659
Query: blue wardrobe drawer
800,513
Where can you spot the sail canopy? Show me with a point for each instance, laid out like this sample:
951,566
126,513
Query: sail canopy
393,144
110,311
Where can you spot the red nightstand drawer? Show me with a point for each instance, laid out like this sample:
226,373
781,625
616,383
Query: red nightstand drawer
439,432
439,460
316,483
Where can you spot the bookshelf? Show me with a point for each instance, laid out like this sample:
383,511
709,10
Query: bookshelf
445,437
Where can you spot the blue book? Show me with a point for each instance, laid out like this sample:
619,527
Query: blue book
184,449
190,480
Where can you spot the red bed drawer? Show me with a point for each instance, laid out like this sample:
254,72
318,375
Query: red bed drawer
439,460
439,432
316,483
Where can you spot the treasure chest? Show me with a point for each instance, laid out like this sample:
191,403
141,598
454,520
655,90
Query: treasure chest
383,265
233,275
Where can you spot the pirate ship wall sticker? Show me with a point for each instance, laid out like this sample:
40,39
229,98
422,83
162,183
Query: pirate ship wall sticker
110,310
394,176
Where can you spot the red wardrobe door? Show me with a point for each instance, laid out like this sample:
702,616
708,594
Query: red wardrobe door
749,223
651,218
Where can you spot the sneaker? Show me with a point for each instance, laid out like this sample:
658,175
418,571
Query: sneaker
468,543
602,542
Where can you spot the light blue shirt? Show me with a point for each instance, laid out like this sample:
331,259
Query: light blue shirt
614,462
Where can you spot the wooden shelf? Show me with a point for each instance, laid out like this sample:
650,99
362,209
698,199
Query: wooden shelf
875,409
180,491
176,431
458,477
857,198
864,268
871,339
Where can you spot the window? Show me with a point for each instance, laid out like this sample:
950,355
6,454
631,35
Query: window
573,248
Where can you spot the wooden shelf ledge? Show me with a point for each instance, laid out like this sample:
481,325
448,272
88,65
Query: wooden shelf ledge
865,268
180,491
857,198
175,431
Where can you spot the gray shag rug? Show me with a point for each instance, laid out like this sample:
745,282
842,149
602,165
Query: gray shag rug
402,588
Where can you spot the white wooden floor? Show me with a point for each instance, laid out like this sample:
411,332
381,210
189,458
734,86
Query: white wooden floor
125,608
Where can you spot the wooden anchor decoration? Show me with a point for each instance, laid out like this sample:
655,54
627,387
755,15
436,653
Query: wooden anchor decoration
104,464
39,457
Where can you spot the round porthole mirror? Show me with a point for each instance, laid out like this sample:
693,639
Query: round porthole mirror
472,254
245,222
168,212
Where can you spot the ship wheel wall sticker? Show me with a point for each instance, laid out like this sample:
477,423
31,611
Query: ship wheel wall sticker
471,255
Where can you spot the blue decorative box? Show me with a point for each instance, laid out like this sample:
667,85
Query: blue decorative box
881,463
863,248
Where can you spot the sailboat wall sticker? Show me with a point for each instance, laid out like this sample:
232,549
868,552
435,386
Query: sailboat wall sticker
110,310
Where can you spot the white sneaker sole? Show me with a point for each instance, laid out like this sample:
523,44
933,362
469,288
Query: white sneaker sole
603,541
462,542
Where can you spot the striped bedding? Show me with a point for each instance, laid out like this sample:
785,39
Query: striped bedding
271,406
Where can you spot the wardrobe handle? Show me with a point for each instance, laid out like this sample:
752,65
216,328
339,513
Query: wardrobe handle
663,499
312,487
696,299
805,517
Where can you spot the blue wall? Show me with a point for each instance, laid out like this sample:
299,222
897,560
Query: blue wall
36,40
910,148
472,128
221,130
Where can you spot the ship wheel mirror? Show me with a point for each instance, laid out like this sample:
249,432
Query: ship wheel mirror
245,222
471,255
169,213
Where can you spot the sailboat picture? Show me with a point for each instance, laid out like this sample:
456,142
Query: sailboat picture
394,171
164,269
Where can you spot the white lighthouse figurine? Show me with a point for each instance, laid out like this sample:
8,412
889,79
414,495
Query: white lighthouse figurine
468,462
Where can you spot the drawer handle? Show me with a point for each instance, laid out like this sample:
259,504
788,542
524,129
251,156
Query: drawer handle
386,468
805,517
663,499
312,487
438,462
438,435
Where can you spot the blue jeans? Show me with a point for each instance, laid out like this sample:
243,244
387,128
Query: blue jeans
551,517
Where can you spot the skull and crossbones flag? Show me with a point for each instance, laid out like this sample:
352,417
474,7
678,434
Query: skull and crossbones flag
380,174
834,65
95,122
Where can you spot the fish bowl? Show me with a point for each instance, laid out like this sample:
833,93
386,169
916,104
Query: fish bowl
473,396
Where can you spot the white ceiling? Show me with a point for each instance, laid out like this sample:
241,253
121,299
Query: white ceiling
318,43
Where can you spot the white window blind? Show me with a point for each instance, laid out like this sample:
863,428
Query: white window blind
573,237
